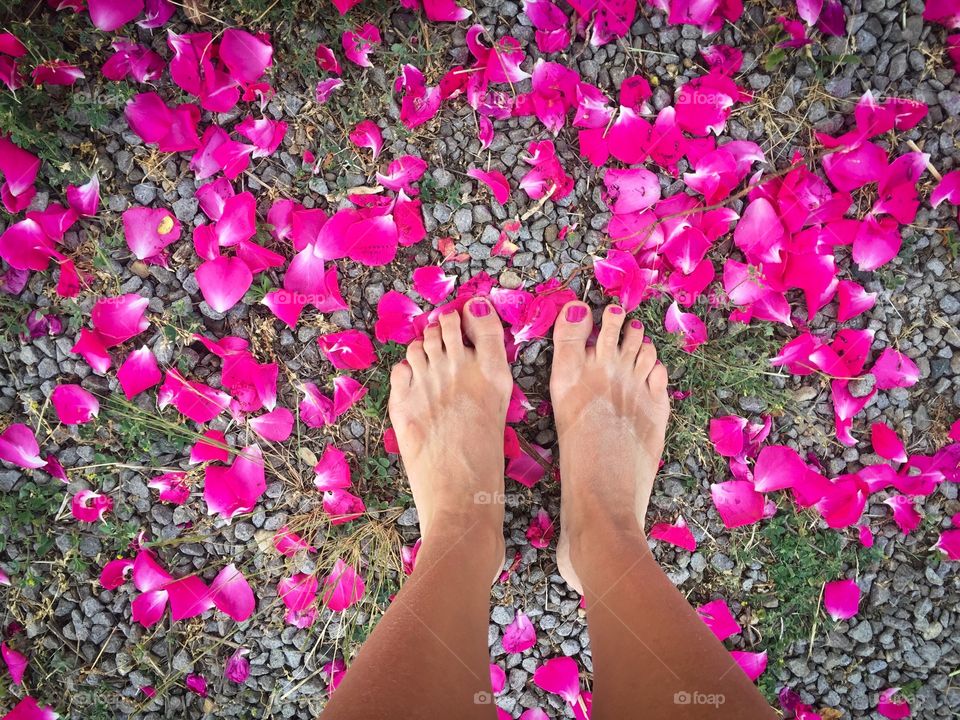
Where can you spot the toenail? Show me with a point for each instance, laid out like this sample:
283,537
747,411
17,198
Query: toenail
433,324
576,313
646,339
479,308
636,325
448,310
616,310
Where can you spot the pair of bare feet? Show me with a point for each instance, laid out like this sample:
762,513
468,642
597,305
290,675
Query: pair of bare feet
448,404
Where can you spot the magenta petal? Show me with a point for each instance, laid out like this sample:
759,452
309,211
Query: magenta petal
18,446
737,502
890,709
85,199
688,325
108,15
223,282
432,284
332,470
298,592
395,315
246,56
358,44
147,573
115,573
117,319
199,402
778,467
196,684
841,599
886,444
894,369
236,489
348,350
949,544
727,434
519,635
716,615
139,372
316,409
560,676
74,405
494,180
342,588
541,530
189,597
288,543
367,134
16,663
630,190
210,448
148,608
753,664
237,668
677,534
274,426
346,392
231,593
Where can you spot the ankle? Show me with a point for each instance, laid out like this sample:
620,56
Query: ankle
613,533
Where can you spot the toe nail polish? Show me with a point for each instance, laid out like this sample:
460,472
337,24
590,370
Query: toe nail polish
646,339
576,313
479,308
433,324
449,310
616,310
636,325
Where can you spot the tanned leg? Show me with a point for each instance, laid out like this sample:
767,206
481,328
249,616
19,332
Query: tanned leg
652,655
428,656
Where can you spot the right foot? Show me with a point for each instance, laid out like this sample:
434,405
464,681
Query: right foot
611,407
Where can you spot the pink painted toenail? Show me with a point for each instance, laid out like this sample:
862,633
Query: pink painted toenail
480,308
449,310
636,325
616,310
433,324
576,313
646,339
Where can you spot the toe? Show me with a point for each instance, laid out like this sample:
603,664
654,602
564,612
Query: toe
657,379
632,340
571,330
433,342
450,331
417,357
608,339
646,359
400,377
483,328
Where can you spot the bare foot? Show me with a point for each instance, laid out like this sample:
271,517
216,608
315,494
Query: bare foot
611,408
448,405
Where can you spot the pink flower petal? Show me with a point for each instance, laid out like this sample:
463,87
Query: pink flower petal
16,663
342,588
231,593
235,489
348,350
886,444
494,180
541,530
332,470
753,664
274,426
367,134
677,533
237,668
74,405
223,282
519,635
432,284
737,502
359,43
841,599
246,56
894,369
117,319
139,372
778,467
560,676
716,615
890,709
688,325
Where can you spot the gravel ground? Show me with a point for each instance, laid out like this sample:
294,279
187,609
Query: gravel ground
905,635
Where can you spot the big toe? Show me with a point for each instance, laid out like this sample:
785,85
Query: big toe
571,330
482,327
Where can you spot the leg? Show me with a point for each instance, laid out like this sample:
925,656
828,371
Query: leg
428,657
649,646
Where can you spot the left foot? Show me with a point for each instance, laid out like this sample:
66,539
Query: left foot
448,405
